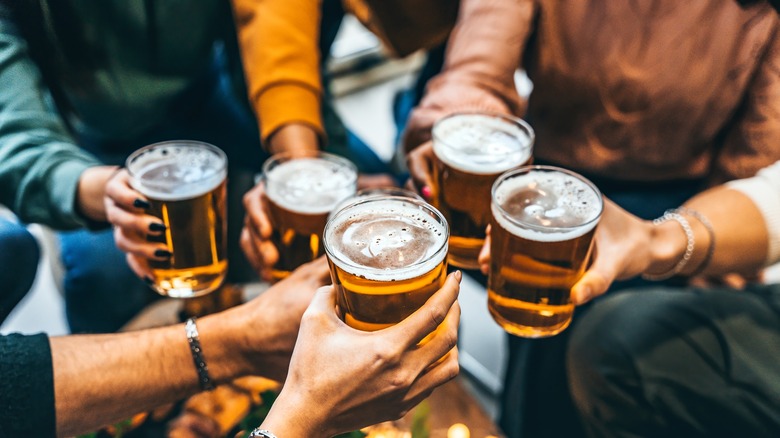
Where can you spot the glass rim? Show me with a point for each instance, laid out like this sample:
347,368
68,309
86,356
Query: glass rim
282,157
525,169
190,144
420,203
517,121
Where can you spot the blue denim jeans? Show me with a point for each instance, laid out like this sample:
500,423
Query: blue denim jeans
19,256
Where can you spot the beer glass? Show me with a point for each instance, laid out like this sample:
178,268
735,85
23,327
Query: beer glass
472,150
387,256
544,219
301,191
185,183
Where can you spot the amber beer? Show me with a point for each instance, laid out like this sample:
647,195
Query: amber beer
301,191
543,223
472,150
185,183
387,256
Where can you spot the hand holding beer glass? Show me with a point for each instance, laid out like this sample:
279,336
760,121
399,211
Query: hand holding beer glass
184,186
300,193
544,219
387,256
470,151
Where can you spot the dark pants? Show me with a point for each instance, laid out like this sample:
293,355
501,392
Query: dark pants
19,256
536,401
668,362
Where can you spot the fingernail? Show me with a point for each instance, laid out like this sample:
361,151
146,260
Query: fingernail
427,192
584,294
156,226
148,281
140,203
162,253
458,275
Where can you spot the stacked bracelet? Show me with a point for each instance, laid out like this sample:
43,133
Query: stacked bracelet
197,355
689,247
710,231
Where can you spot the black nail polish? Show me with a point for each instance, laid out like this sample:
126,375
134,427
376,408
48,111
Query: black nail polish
156,226
140,203
148,281
162,253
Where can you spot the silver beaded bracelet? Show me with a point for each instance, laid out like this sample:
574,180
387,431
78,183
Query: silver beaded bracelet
197,355
671,215
261,433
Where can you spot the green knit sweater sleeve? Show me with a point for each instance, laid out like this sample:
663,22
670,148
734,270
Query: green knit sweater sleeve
40,164
26,387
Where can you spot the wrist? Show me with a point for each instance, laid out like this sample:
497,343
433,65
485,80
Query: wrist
220,338
290,417
91,191
667,246
294,138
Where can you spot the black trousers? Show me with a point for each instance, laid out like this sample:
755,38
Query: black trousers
668,362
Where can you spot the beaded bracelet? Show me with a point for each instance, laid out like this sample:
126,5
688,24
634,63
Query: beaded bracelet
689,247
710,231
261,433
197,355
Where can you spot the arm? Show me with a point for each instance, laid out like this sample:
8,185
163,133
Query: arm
751,142
40,166
281,56
473,77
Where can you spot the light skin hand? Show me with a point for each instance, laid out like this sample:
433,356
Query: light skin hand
256,235
294,137
91,190
126,211
343,379
420,162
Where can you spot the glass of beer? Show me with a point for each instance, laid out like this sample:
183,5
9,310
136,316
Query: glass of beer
544,219
185,183
387,256
472,150
301,191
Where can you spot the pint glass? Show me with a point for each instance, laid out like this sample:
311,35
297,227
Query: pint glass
387,256
544,219
472,150
185,183
301,191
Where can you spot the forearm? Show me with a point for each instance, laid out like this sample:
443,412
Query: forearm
100,379
91,192
294,138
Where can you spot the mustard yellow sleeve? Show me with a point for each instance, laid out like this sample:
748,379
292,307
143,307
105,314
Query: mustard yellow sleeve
280,53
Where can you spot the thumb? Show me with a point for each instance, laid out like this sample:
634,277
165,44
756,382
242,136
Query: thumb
595,282
420,164
324,301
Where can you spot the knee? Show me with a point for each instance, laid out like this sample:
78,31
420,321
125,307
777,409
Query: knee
19,255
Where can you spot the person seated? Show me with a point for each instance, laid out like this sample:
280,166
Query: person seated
636,96
682,361
336,379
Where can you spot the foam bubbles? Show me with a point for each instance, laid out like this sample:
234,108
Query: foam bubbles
481,144
387,240
177,172
310,185
556,206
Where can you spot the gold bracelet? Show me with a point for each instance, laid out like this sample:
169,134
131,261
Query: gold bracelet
689,247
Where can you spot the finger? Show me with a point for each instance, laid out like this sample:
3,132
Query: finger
140,267
139,224
443,340
427,318
420,163
140,248
322,305
595,282
256,210
434,377
317,271
484,253
248,247
121,192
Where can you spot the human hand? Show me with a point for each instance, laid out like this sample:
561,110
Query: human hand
126,211
342,379
420,162
269,324
255,237
91,190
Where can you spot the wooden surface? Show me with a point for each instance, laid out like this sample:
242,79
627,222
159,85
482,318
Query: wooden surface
449,404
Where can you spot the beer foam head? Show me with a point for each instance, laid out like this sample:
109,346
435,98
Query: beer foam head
545,205
387,239
482,143
310,185
173,171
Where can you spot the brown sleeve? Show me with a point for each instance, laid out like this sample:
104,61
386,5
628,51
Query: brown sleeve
753,141
483,53
279,49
